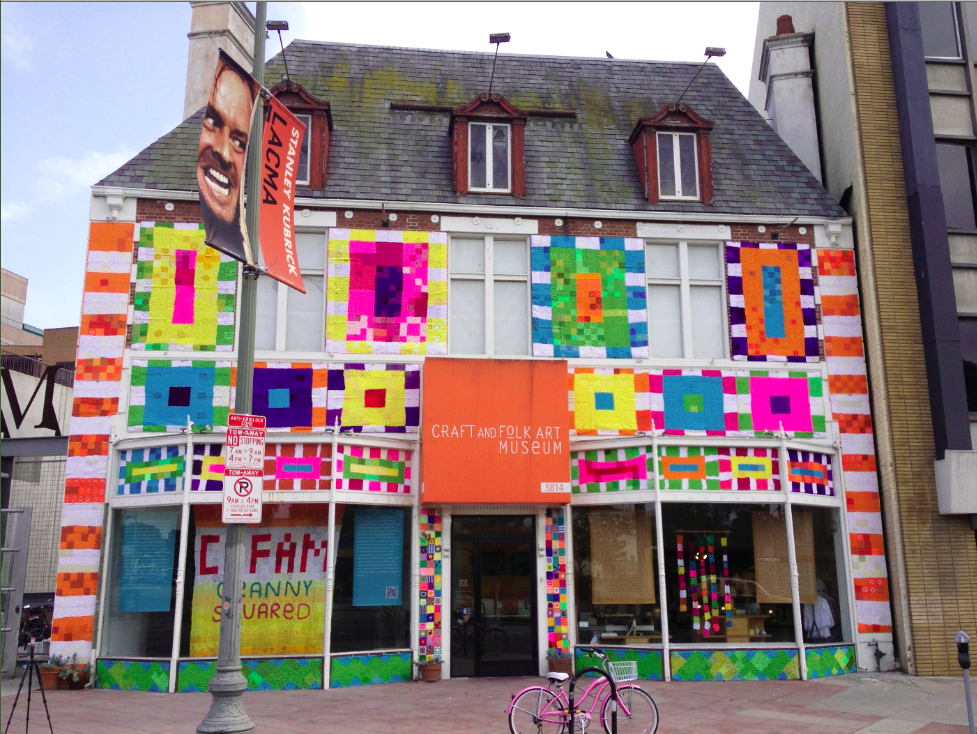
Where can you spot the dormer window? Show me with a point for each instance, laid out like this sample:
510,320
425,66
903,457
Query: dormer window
488,137
674,155
317,118
678,168
489,157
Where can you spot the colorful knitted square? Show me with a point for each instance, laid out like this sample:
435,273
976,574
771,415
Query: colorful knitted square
589,297
388,292
771,302
375,398
208,468
372,469
608,401
143,471
810,473
609,470
295,466
693,402
165,392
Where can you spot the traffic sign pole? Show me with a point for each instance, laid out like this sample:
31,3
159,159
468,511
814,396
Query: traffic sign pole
227,714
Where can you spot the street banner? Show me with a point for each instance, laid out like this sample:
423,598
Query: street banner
281,143
283,608
222,156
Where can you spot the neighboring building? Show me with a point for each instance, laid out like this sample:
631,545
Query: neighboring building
588,349
878,100
14,298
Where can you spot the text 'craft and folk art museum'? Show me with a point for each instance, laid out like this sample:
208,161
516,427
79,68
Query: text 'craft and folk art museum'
589,386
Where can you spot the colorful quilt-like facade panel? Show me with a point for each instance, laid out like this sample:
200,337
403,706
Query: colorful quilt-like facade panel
207,470
694,467
810,473
388,292
771,302
609,470
557,622
165,392
297,466
144,471
429,609
372,469
589,297
749,403
185,291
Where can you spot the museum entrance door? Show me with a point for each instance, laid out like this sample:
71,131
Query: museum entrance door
493,599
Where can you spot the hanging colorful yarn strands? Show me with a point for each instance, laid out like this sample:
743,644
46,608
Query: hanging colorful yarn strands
704,582
729,598
713,588
694,583
682,594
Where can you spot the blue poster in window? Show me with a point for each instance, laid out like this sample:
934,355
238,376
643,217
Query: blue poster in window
378,556
148,544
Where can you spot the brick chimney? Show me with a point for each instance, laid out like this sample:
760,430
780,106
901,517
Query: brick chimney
215,25
785,69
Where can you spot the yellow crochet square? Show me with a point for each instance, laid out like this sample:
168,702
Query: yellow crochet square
358,382
752,467
594,410
203,330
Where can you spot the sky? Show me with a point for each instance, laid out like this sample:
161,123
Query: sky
86,86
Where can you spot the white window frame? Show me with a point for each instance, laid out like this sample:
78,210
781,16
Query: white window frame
489,162
685,284
307,144
281,319
676,162
489,277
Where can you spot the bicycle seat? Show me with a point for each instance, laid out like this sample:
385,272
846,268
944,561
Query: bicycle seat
558,677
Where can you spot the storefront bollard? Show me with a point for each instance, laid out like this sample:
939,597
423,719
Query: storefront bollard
963,657
610,678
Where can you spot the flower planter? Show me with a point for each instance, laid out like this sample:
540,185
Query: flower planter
430,672
561,665
49,678
79,684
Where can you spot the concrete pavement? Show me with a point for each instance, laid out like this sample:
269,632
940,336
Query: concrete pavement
865,703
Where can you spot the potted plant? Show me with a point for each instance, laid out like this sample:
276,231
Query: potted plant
430,670
76,675
50,670
560,660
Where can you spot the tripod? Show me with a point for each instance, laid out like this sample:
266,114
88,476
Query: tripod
32,667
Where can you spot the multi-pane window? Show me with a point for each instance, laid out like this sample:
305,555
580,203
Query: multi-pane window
686,304
956,183
938,26
288,320
302,172
678,169
489,159
488,296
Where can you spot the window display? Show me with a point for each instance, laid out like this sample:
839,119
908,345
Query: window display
615,575
825,613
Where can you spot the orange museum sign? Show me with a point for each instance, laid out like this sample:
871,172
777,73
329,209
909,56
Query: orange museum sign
495,432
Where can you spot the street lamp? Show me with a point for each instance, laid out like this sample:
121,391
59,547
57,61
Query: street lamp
711,51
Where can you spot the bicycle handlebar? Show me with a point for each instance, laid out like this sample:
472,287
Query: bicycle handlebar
595,650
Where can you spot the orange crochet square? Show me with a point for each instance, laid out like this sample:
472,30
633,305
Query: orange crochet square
839,306
100,368
84,490
95,407
77,584
752,261
854,423
836,262
110,237
848,384
72,629
843,346
872,589
862,502
866,544
88,445
874,627
81,536
858,462
107,282
103,324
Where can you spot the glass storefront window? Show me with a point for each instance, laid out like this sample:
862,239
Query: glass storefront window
826,616
140,602
283,609
746,545
371,605
615,572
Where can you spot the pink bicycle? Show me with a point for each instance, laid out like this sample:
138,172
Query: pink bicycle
538,709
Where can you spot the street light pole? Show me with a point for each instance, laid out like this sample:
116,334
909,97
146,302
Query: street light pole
227,714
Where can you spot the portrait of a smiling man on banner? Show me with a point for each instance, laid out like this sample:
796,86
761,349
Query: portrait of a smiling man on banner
222,158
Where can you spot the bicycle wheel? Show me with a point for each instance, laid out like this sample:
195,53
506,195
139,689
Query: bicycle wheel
636,712
537,711
495,641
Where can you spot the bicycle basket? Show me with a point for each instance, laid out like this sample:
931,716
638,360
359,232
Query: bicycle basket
624,670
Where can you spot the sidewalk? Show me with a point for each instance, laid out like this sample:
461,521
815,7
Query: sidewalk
868,703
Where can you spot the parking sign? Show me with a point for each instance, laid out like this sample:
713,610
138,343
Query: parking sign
241,501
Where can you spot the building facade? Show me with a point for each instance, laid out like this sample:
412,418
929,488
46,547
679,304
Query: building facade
878,99
574,363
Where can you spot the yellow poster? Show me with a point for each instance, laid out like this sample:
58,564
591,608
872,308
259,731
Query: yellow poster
283,609
621,556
